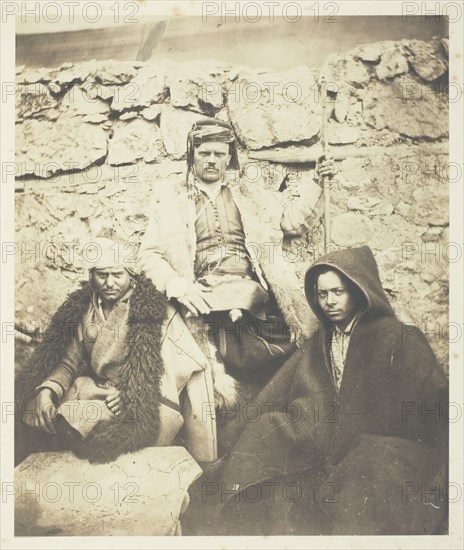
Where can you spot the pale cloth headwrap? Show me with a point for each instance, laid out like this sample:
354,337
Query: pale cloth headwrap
103,253
211,132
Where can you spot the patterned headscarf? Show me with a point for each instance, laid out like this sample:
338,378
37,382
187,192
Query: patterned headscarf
102,253
210,129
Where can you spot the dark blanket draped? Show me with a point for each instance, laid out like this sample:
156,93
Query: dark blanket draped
360,462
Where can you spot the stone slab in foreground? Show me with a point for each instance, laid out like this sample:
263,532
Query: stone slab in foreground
141,493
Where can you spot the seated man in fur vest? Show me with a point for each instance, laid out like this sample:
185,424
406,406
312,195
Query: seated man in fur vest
213,246
109,376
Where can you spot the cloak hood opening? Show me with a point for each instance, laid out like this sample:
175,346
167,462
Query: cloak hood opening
359,266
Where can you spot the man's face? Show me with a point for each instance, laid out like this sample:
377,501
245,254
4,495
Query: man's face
335,298
210,160
111,283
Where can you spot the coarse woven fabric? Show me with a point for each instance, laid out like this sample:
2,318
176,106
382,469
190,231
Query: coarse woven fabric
360,446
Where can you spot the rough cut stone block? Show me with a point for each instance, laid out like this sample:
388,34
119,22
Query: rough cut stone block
69,73
267,109
407,107
128,115
43,149
427,60
141,493
77,101
194,89
146,88
114,72
373,206
344,69
175,124
95,119
34,300
392,64
152,113
369,52
32,99
96,89
351,229
340,134
30,76
433,211
133,141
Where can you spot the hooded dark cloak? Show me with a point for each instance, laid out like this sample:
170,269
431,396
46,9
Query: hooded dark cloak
316,461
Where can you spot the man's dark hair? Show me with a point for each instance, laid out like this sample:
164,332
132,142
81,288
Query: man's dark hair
355,291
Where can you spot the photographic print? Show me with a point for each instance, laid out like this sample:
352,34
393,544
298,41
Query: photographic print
232,274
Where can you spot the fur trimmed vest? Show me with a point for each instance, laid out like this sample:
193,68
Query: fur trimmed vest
168,249
138,425
169,246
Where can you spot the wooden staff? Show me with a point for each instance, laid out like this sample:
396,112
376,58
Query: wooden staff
325,150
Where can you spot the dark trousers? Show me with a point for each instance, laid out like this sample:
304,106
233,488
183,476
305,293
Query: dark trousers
251,344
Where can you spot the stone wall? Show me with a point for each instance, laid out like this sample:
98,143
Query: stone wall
93,139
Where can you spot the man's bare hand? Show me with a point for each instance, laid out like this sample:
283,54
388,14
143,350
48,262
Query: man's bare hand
113,402
196,299
46,411
326,168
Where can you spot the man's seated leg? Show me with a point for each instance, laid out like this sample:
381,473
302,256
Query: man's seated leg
251,344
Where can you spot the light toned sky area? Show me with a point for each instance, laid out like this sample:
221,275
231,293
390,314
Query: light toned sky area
279,45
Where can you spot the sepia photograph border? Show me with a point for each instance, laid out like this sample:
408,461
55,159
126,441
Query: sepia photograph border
456,214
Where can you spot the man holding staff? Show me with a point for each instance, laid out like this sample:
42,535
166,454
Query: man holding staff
213,245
